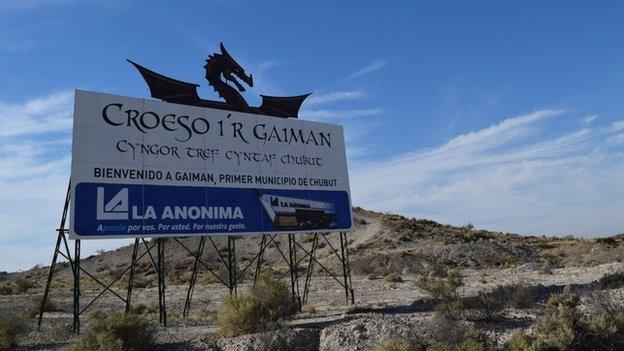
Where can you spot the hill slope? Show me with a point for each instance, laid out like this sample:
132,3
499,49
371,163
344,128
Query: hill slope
380,243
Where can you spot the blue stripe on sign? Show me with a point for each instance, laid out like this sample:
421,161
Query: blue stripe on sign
129,210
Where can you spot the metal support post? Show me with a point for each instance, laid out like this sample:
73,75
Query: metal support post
310,269
346,271
294,274
189,293
76,325
135,251
231,266
263,246
57,248
160,257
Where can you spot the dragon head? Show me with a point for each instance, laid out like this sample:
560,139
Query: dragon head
230,69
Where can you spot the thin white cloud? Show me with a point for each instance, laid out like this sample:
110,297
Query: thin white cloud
334,97
513,176
37,116
590,119
326,115
619,125
34,171
371,67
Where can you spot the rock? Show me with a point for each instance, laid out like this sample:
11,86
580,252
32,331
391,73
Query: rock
528,267
369,331
286,339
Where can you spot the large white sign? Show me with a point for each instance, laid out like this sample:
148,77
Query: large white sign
149,168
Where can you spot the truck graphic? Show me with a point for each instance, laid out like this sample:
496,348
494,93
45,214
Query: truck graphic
288,213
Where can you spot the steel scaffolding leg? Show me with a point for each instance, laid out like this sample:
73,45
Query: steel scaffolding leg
263,246
231,266
189,293
162,305
294,271
57,248
309,270
135,251
346,270
76,325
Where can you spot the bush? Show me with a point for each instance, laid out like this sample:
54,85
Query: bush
521,342
564,327
50,306
490,304
10,327
520,295
469,341
557,329
441,290
399,344
606,302
22,286
310,309
268,302
5,289
393,278
118,332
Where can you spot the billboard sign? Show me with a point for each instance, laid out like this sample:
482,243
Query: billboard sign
150,168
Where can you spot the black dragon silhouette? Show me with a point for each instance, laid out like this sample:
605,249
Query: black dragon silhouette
221,69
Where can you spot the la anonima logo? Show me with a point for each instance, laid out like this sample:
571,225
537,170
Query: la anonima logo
118,208
115,209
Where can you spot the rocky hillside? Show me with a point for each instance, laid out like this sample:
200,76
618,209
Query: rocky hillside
380,244
501,287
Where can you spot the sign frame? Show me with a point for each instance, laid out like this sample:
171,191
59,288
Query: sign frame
122,126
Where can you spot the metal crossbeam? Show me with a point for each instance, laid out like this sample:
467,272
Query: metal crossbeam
199,260
108,287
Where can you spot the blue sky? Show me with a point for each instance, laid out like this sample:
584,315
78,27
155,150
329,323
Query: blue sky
505,114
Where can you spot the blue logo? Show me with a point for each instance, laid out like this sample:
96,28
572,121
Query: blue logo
128,210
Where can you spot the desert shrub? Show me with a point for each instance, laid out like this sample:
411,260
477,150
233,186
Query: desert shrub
606,302
310,309
520,295
606,332
399,344
359,309
466,340
139,308
564,327
118,332
521,342
610,241
11,326
447,329
556,329
100,269
268,302
5,289
550,262
447,324
51,306
441,289
437,270
489,305
611,281
22,286
393,278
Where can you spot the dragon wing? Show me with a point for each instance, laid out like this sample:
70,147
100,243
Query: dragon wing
282,106
168,89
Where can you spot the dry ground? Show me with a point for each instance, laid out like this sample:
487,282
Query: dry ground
382,308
